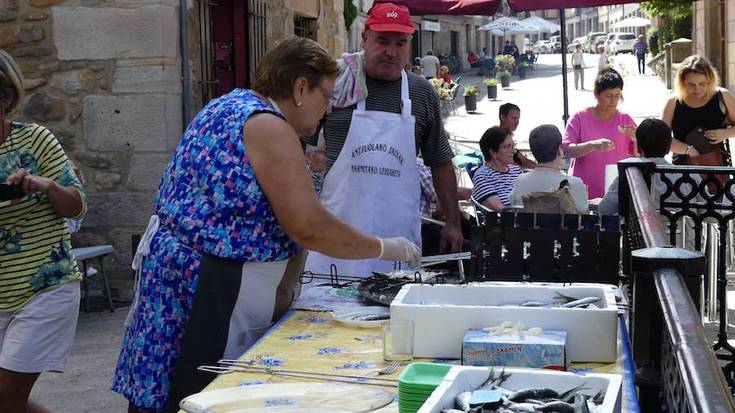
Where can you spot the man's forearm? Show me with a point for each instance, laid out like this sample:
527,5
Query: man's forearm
445,183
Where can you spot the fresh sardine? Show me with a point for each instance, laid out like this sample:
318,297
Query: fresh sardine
523,395
462,402
581,302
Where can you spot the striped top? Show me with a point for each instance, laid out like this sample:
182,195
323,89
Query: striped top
488,182
35,244
385,96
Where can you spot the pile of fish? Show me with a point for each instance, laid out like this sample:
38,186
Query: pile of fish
526,400
560,301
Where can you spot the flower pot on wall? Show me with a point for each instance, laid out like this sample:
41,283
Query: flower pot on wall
492,92
470,103
522,72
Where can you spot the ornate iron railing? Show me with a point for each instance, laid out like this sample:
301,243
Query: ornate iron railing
678,369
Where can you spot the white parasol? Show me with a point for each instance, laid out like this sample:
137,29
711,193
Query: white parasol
631,22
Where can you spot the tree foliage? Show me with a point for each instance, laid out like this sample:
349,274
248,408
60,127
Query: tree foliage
350,13
678,21
676,9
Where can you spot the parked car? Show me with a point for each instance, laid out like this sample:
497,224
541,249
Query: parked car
597,42
609,38
589,44
577,40
554,45
622,43
541,46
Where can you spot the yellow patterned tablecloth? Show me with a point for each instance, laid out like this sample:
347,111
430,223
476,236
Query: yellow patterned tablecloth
313,341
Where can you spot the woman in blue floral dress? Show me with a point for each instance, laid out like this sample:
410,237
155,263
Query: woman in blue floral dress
235,204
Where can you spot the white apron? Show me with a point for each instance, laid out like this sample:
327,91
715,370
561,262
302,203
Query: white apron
373,185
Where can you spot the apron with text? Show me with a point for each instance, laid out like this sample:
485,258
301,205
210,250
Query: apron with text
373,185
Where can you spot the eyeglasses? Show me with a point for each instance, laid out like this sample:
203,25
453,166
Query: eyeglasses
331,100
508,145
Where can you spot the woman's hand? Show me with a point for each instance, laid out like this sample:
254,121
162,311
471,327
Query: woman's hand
628,130
602,144
716,136
31,183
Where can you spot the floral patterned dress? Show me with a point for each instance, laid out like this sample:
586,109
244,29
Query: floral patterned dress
208,202
35,244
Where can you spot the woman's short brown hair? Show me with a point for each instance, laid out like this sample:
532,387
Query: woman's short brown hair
11,81
290,59
700,65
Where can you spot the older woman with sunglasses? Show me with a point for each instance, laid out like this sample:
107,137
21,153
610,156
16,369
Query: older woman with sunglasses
233,210
600,135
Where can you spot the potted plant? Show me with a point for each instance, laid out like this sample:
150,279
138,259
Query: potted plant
504,78
522,67
505,65
492,87
470,98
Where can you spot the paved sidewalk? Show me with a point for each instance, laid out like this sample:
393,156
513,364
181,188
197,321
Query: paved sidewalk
85,386
540,98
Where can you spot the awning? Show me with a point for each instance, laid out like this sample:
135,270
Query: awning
465,7
528,5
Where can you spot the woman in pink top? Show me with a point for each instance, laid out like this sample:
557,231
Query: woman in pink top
600,135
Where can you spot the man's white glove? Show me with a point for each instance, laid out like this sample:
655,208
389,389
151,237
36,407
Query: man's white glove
399,249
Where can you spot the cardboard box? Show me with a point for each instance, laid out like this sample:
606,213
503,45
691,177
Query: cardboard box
466,378
443,313
547,351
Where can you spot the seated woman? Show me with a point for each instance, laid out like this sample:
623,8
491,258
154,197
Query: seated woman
444,75
473,59
494,180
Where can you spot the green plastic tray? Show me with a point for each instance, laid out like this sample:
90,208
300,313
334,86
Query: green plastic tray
422,376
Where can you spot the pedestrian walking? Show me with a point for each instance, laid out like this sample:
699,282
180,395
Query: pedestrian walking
430,65
578,66
39,276
640,48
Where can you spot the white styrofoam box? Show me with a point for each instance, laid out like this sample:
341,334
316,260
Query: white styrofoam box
443,313
466,378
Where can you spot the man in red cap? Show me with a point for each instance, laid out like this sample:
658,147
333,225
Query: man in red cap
372,181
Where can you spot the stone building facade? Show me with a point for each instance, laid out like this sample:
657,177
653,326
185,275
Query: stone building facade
106,77
713,36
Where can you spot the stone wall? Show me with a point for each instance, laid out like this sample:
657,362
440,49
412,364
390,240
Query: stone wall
330,31
104,77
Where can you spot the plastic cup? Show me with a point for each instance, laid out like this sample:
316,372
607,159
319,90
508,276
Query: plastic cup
398,340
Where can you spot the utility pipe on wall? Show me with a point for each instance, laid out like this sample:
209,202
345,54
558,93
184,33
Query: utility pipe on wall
185,78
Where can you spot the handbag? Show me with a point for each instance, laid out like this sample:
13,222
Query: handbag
709,154
554,201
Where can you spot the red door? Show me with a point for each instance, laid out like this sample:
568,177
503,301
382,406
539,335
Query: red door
228,45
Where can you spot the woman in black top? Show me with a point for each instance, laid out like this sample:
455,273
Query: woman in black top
699,103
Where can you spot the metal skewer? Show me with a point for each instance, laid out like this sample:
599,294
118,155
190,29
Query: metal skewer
313,375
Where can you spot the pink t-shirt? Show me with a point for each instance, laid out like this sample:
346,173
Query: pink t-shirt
584,127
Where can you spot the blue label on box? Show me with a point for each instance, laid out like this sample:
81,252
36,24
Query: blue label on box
548,350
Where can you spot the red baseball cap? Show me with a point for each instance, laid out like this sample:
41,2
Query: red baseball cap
389,17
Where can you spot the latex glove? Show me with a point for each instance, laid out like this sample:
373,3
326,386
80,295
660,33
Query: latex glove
399,249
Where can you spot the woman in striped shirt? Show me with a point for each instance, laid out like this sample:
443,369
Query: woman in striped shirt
39,278
494,180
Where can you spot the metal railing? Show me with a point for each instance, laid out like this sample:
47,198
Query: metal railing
678,369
